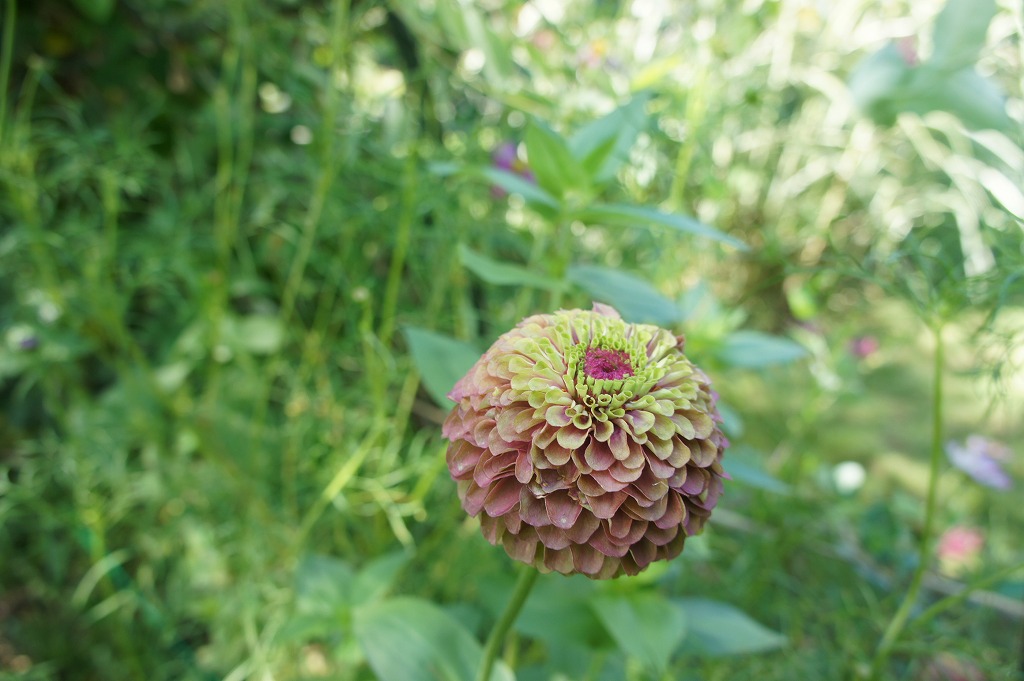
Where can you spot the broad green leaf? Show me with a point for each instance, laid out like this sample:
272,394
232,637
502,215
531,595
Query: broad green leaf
742,464
960,31
637,216
441,360
634,298
974,99
551,161
875,82
644,625
323,587
409,639
602,146
719,629
557,613
516,184
503,273
376,577
753,349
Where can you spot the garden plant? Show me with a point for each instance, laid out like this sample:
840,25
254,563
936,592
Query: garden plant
537,340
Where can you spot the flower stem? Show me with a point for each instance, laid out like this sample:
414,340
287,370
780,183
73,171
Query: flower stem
497,635
899,620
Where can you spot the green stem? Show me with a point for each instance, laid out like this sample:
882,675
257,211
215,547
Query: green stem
899,620
5,62
497,636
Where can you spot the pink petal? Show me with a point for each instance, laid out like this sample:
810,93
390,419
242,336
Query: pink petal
532,510
552,537
559,561
586,559
602,543
603,430
474,498
583,528
522,546
644,553
488,469
619,445
571,437
673,513
462,459
606,505
503,496
556,454
598,456
562,509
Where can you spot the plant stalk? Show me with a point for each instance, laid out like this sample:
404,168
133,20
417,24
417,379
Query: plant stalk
899,620
498,633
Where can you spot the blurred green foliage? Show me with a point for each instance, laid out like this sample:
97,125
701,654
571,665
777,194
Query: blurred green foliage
236,237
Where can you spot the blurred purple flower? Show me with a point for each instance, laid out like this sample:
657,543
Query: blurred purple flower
863,347
28,343
506,157
981,459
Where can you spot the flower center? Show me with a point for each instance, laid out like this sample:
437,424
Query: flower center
609,364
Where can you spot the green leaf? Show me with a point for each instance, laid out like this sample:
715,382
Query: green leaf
974,99
634,298
875,82
719,629
602,146
960,31
557,613
441,360
408,639
516,184
743,465
753,349
644,625
549,158
323,587
638,216
503,273
97,10
376,577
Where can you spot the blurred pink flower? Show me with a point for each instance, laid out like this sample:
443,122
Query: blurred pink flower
981,459
863,347
959,549
907,46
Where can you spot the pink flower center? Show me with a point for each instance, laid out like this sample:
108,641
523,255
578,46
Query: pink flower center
610,364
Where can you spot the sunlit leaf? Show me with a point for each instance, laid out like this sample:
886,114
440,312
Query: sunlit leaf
621,215
408,639
644,625
635,299
752,349
960,31
502,273
441,360
552,163
603,145
717,628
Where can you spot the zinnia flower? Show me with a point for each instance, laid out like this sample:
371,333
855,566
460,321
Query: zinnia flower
586,444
